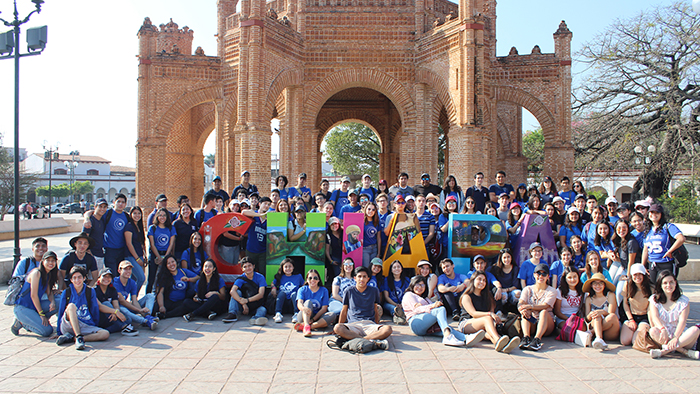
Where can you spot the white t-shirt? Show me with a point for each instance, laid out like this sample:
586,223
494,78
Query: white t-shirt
670,318
571,303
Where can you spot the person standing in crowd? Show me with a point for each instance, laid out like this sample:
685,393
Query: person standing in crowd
96,231
503,208
535,306
161,202
35,304
572,226
522,196
499,187
591,228
478,192
281,183
547,190
425,187
401,188
161,238
245,185
611,205
579,189
334,247
181,199
367,188
566,193
325,188
352,206
580,204
218,190
256,246
383,187
383,213
624,211
135,239
194,256
301,191
113,222
339,197
319,201
185,225
426,220
208,212
661,240
296,229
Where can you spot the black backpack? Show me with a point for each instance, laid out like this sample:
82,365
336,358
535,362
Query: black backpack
88,295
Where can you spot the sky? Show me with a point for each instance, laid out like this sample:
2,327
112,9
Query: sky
81,93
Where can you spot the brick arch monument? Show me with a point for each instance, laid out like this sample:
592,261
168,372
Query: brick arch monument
402,66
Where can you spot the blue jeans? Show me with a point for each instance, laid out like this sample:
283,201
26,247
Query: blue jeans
335,306
31,320
235,308
284,299
137,273
115,326
368,253
113,257
421,323
389,308
146,301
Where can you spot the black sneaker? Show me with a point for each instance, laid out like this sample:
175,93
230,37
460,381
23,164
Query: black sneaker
455,316
187,317
65,338
212,316
525,344
130,331
229,318
536,344
15,327
161,316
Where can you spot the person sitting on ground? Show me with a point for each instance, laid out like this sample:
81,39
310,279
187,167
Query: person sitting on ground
507,275
284,288
172,285
478,302
312,303
377,269
601,308
341,284
79,312
359,317
426,317
535,307
450,287
424,269
668,314
247,296
569,296
111,317
210,296
78,257
393,290
31,311
139,311
493,284
635,304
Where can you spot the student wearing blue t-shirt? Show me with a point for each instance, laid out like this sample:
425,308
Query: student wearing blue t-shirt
300,190
161,238
32,311
139,311
284,288
194,257
494,285
638,232
210,294
208,212
660,242
115,221
247,295
172,285
566,193
394,286
256,246
499,187
527,267
312,303
339,197
572,226
367,188
593,265
450,287
352,206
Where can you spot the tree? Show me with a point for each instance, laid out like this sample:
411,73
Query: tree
643,88
682,205
353,149
533,149
7,181
61,190
210,160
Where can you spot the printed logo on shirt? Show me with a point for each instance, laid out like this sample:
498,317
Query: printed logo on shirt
83,312
315,304
288,287
179,285
371,231
119,224
573,300
162,240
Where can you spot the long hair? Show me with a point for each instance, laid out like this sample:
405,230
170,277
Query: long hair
645,287
521,197
164,279
659,295
48,277
464,208
485,293
168,218
598,239
662,221
552,189
200,250
589,271
564,285
203,286
181,217
583,189
619,242
402,277
414,281
531,202
497,269
375,219
280,270
511,218
569,224
140,234
446,185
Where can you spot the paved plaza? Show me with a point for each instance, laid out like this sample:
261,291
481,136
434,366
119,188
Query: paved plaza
212,357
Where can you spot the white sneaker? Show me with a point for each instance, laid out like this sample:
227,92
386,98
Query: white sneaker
295,317
451,340
599,344
583,338
501,343
655,353
474,338
278,317
693,354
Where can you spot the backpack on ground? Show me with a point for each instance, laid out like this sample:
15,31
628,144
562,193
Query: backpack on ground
354,346
14,291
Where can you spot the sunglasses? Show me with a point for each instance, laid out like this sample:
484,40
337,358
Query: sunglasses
312,278
541,273
401,203
364,199
470,202
348,264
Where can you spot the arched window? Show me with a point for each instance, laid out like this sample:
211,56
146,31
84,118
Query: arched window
93,172
60,171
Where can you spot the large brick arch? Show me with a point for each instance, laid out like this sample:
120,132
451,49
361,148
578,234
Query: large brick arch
183,104
532,104
503,132
428,77
284,79
360,78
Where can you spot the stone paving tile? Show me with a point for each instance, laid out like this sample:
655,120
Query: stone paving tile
102,385
189,387
522,387
569,387
234,387
442,388
339,388
479,388
69,385
386,388
21,385
658,386
612,386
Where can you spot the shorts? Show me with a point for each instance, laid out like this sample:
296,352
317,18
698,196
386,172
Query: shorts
363,327
640,319
328,317
85,329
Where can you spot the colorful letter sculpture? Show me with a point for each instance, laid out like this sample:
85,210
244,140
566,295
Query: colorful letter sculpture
312,247
405,243
353,235
472,235
535,228
213,229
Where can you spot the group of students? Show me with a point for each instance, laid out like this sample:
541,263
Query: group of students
609,242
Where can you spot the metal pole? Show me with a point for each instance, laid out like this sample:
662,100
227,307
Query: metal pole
50,170
17,250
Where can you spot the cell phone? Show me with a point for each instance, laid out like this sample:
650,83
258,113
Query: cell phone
532,319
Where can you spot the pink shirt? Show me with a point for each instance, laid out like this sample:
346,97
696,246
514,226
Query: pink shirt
409,301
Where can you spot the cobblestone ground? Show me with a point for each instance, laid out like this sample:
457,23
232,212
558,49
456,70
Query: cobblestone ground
213,357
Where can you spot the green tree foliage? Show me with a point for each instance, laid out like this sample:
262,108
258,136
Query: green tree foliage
61,190
7,181
533,149
642,88
682,205
353,149
210,160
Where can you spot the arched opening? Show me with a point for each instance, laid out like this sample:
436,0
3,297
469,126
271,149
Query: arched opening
624,194
351,148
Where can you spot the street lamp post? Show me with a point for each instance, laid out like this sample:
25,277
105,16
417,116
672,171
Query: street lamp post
9,43
50,154
71,165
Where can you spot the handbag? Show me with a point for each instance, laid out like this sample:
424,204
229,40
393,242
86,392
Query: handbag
14,289
680,256
510,326
571,325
